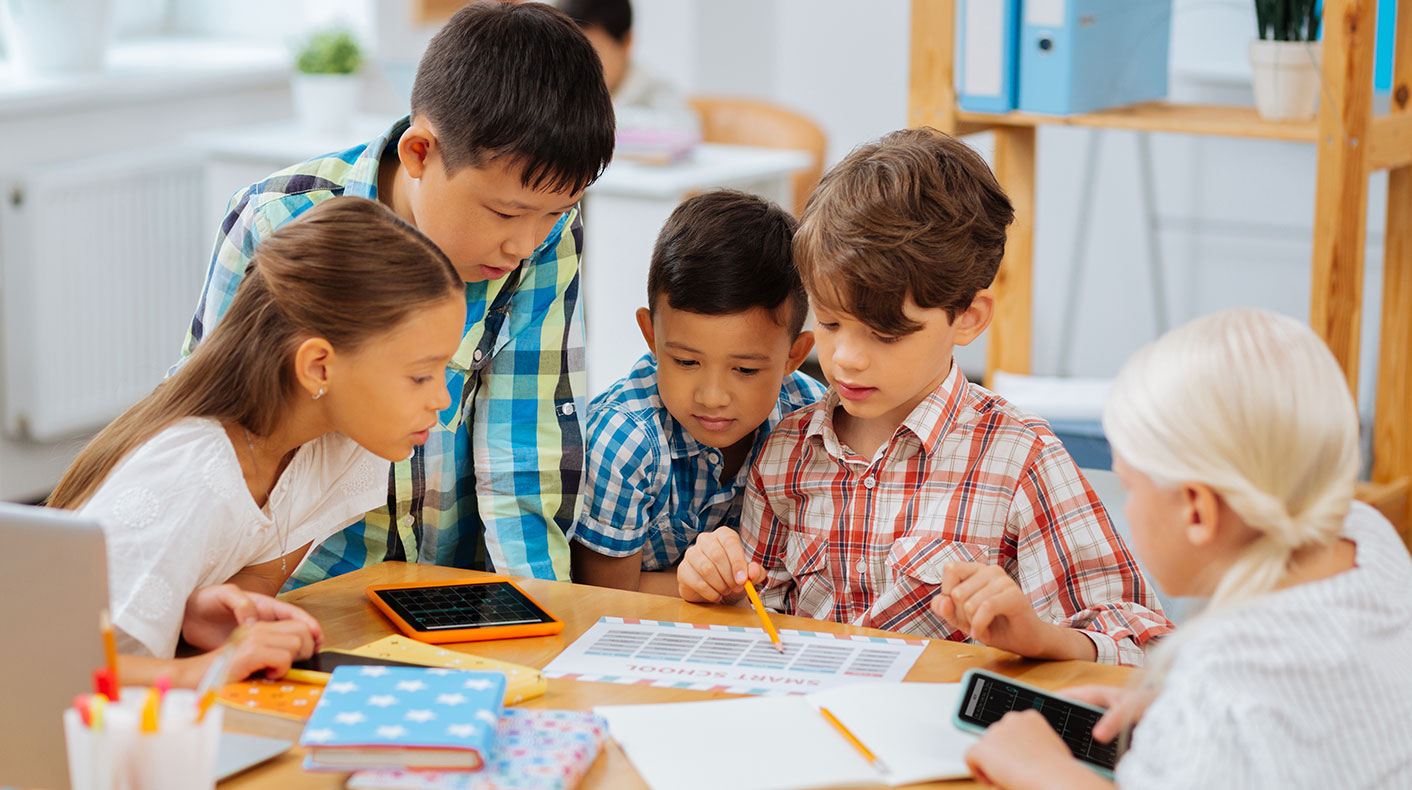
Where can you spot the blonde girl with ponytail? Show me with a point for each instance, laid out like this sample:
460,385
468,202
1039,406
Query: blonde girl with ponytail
1236,439
277,432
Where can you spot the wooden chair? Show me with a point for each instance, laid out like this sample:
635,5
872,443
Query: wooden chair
749,122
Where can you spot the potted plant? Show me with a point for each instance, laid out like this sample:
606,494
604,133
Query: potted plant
326,83
1285,60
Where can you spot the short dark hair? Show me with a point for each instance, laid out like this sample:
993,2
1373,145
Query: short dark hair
724,252
614,16
517,80
917,213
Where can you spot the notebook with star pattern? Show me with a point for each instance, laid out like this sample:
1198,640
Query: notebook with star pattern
405,717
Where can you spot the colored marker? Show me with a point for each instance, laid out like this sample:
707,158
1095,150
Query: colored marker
110,652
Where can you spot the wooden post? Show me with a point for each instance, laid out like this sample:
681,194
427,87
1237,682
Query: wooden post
1008,346
1341,197
1392,424
931,90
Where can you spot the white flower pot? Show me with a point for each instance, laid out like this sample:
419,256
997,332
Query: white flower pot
1286,79
325,103
46,37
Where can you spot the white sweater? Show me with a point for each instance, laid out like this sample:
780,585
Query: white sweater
1310,686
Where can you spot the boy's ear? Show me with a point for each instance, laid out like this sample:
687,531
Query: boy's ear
313,365
1201,508
971,323
644,323
416,148
799,350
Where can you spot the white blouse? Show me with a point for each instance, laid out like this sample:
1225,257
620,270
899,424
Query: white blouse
177,516
1310,686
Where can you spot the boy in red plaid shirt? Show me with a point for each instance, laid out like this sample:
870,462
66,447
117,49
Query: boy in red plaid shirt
909,499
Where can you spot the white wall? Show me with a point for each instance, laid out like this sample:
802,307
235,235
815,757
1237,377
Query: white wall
1235,217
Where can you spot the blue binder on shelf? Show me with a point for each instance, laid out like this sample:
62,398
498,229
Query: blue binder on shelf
1078,56
986,49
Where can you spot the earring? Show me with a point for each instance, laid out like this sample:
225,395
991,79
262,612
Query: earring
319,394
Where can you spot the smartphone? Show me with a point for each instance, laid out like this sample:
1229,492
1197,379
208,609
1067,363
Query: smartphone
326,660
987,696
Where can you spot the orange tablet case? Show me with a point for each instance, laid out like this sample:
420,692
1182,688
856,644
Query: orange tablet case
554,625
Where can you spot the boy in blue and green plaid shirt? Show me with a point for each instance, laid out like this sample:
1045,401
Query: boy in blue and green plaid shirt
670,445
510,122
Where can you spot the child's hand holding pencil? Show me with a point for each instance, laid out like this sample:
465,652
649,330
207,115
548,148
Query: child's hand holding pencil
715,569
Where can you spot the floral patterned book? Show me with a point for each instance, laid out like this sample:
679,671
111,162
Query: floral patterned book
534,750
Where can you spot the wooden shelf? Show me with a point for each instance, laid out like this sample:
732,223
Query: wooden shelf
1351,140
1208,119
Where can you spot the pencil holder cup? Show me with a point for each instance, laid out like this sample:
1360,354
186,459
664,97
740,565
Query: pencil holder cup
113,753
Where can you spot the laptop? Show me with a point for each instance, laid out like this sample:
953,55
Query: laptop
53,587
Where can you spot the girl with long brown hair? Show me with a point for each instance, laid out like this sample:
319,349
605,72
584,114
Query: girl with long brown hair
276,433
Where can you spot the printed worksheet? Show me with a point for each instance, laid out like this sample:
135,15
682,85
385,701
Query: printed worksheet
730,658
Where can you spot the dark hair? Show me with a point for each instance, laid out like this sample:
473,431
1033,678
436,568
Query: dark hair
725,252
517,80
347,270
614,16
917,213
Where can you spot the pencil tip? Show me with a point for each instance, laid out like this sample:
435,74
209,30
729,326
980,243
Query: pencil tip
779,646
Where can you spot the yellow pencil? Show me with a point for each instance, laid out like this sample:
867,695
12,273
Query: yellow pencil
764,616
307,676
853,739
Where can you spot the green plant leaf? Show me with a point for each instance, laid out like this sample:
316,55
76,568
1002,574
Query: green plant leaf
330,52
1287,20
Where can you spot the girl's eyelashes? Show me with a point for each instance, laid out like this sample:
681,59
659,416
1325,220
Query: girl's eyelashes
684,363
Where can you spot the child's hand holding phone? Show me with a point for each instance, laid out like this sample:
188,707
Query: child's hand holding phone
1047,763
714,569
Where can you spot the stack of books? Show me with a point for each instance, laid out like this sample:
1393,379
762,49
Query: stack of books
418,728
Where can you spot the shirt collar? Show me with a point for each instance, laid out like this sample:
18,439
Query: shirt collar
680,442
930,420
363,175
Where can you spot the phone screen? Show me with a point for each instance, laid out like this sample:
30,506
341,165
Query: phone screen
987,699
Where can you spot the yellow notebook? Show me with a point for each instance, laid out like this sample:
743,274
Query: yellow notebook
521,682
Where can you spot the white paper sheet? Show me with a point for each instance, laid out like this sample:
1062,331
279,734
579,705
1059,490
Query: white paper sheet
730,658
784,743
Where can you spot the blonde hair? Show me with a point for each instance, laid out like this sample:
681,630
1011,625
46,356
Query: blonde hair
1252,404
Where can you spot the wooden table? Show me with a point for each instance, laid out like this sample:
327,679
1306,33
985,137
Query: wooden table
350,620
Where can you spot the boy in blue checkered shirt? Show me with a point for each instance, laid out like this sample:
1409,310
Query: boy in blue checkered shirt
669,446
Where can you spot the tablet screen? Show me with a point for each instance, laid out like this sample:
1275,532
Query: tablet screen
988,699
443,608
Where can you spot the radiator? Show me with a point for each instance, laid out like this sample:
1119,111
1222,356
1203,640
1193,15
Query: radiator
101,264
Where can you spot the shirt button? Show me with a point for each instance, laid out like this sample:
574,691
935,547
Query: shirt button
862,566
567,409
408,520
712,457
478,355
869,482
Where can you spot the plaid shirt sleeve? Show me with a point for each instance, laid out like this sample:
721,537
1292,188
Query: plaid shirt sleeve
1071,563
763,536
623,482
527,437
240,232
